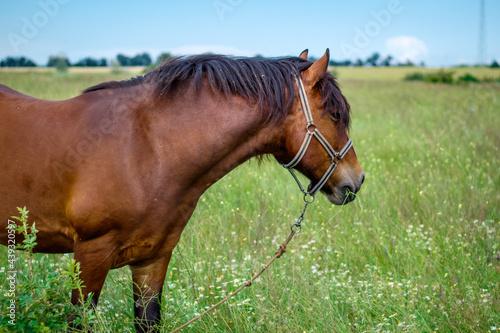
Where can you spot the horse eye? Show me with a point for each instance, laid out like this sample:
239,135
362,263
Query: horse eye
334,116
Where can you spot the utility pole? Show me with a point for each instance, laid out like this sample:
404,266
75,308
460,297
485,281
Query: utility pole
482,36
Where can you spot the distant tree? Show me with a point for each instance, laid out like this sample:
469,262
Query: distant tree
387,61
146,59
138,60
163,58
52,61
17,62
25,62
123,60
408,63
141,60
358,63
91,62
373,59
115,67
340,63
59,60
494,64
87,62
62,65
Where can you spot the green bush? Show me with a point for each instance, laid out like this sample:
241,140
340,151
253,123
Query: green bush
440,77
443,76
468,78
417,76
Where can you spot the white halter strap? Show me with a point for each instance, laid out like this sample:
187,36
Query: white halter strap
312,131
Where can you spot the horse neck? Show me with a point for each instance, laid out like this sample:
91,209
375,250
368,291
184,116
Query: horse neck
208,134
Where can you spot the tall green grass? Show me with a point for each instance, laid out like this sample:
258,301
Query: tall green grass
418,251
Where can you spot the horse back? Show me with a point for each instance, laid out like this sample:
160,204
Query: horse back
58,158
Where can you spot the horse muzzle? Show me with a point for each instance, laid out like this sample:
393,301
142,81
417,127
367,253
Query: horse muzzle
345,192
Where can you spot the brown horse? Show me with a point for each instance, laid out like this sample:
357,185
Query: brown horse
115,173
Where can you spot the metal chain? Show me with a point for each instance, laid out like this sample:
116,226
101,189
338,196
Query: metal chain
308,198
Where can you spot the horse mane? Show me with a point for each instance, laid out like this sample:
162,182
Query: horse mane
263,81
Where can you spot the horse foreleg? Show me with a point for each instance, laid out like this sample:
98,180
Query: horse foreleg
148,278
95,258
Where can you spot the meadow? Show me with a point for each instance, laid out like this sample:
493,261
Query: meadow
417,251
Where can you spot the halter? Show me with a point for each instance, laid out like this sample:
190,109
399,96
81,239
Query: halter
312,130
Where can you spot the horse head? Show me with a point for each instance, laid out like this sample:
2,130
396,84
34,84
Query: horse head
315,135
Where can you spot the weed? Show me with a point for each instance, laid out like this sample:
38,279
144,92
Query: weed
41,297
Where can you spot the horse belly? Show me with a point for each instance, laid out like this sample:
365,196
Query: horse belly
55,233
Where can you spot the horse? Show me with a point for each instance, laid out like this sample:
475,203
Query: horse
114,174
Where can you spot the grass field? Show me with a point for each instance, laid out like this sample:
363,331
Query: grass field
418,251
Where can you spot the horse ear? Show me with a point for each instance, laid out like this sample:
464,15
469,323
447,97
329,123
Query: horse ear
318,68
303,55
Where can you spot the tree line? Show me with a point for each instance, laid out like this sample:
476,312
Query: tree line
375,60
141,59
144,59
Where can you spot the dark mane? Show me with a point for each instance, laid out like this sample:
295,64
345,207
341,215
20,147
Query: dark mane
262,81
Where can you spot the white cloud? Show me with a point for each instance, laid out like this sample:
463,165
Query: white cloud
406,48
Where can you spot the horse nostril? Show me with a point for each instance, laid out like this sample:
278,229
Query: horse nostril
362,178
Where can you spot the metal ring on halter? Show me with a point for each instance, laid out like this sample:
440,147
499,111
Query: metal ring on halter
311,200
311,125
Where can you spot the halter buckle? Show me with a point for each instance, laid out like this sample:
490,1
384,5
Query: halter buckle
336,159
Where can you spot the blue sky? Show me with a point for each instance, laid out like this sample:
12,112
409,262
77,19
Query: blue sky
438,32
